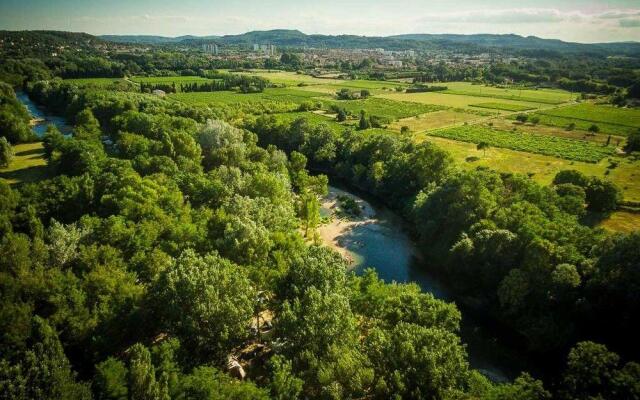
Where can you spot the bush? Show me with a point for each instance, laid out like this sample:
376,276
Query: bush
6,152
633,142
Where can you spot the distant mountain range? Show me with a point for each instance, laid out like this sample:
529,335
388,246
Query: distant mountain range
478,42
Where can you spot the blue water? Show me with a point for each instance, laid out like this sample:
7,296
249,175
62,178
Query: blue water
382,244
44,119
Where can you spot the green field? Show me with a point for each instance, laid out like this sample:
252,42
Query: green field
502,106
28,164
313,119
285,95
450,100
613,120
389,109
98,82
548,145
290,78
434,120
544,96
168,79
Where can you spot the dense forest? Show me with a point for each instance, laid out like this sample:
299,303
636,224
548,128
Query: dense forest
167,246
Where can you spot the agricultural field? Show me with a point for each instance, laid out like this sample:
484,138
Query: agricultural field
541,129
539,144
28,165
286,95
389,109
455,101
290,78
313,119
98,82
434,120
502,106
544,96
168,79
611,120
541,168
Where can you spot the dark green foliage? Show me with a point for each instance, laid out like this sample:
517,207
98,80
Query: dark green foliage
141,264
633,142
6,152
42,371
600,195
14,118
199,289
593,372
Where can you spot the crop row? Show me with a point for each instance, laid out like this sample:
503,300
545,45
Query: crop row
540,144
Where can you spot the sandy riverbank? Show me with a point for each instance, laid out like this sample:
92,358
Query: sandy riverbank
335,232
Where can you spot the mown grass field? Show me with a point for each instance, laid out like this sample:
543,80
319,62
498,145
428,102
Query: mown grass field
433,120
548,145
545,96
502,106
28,165
612,120
621,221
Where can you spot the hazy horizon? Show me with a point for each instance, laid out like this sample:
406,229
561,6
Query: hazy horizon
585,21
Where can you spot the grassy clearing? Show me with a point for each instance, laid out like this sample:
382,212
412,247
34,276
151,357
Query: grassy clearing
613,120
290,78
98,82
434,120
539,144
28,165
562,122
450,100
313,119
385,108
550,130
545,96
168,79
621,221
288,95
541,167
502,106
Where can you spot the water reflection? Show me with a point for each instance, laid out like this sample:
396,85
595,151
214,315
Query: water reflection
42,118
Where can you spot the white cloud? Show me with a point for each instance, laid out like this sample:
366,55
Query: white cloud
630,23
609,25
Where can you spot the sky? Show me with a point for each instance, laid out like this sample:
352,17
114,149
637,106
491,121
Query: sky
584,21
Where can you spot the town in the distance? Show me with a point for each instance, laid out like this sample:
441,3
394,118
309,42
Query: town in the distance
281,215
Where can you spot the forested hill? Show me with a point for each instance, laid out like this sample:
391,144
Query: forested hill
283,37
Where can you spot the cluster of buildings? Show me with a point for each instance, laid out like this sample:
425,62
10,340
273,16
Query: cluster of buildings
265,49
211,48
380,57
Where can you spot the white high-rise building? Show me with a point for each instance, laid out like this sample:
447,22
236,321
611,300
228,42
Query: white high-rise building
210,48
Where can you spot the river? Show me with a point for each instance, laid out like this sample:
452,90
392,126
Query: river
41,119
377,240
